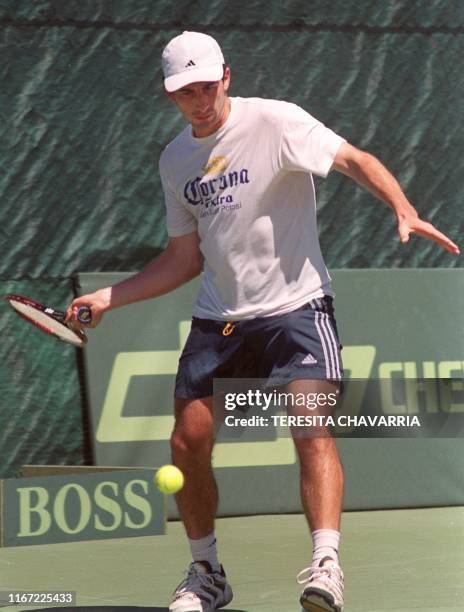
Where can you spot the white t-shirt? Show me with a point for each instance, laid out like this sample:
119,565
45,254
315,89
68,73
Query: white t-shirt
248,191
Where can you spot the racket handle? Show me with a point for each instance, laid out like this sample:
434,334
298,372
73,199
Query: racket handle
84,315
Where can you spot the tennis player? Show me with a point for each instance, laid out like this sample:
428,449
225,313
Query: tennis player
241,209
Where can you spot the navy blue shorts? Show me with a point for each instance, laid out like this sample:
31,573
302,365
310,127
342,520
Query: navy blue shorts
302,344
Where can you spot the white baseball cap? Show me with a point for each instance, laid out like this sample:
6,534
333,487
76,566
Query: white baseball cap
189,58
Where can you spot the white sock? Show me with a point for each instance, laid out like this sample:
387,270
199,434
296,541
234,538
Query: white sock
205,549
325,544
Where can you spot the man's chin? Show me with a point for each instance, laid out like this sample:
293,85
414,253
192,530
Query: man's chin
211,125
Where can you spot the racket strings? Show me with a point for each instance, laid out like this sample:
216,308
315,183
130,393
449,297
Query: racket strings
49,324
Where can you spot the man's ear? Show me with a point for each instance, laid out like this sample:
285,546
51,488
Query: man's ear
226,77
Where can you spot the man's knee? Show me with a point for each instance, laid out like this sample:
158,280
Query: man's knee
191,443
193,435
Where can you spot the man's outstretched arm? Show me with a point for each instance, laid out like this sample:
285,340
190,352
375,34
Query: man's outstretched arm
370,173
178,263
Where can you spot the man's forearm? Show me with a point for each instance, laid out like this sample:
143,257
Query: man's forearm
181,261
162,275
371,174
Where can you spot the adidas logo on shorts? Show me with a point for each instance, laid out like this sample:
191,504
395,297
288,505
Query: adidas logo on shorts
309,360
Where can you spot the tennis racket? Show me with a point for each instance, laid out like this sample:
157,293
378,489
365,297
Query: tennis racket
51,320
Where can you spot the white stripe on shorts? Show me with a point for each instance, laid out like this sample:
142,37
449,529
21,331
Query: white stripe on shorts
334,345
329,345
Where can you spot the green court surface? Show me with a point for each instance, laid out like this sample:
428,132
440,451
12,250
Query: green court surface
397,560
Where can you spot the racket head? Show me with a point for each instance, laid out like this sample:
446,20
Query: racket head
49,320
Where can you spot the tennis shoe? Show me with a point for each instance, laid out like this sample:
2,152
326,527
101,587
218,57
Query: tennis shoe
203,590
323,590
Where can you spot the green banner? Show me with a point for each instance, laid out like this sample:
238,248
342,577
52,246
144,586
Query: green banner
72,507
391,324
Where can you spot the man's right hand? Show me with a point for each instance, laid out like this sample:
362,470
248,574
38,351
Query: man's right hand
98,302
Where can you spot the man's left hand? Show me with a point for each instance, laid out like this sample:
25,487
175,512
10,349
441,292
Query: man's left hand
413,225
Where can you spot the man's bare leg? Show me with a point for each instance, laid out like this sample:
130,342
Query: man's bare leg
321,472
321,482
192,443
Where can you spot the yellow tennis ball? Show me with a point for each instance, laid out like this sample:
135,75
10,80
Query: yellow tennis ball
169,479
